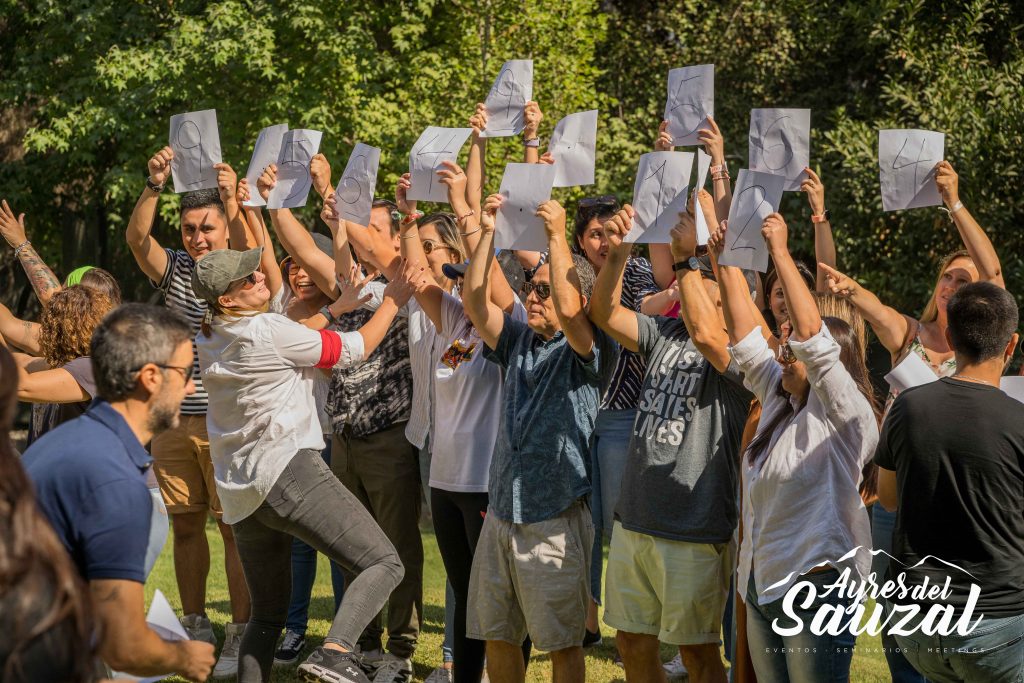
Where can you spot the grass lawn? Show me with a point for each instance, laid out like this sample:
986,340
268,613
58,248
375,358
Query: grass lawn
868,663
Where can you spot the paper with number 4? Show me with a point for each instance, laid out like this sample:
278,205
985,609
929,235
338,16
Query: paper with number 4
703,164
659,195
434,146
906,167
574,146
524,188
755,197
691,100
780,143
505,103
354,195
264,153
195,139
298,147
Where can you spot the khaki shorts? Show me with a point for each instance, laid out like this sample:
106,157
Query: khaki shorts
670,589
532,578
184,470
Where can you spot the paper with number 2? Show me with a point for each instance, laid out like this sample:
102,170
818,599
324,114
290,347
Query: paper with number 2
659,195
756,196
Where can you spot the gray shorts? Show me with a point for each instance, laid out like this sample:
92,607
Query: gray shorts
532,578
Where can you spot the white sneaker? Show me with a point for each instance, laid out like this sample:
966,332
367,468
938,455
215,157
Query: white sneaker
227,663
198,628
393,669
440,675
674,668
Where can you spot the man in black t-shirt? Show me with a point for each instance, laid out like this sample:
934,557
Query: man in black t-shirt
951,455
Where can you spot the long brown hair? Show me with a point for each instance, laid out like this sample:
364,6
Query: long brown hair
931,311
68,322
41,591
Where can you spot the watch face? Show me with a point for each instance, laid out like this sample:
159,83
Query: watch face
694,263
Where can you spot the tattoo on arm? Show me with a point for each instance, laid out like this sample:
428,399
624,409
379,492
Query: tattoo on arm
44,282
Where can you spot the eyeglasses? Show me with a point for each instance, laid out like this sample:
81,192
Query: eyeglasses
785,354
543,290
248,282
430,245
186,373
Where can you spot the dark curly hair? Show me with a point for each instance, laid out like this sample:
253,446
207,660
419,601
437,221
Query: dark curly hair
68,323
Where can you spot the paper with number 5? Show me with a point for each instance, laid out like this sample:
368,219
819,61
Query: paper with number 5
755,197
906,167
354,194
524,188
298,147
264,153
433,146
505,103
196,143
659,195
691,100
780,143
574,146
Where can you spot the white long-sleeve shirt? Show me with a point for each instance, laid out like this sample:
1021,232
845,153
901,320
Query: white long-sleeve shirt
801,504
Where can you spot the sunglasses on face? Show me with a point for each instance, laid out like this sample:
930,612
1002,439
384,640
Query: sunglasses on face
247,282
543,290
430,245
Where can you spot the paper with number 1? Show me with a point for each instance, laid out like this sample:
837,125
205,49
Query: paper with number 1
433,146
355,188
524,188
298,147
659,195
906,167
755,197
505,103
195,140
574,146
264,153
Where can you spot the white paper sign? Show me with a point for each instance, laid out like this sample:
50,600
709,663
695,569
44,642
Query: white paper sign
756,196
196,143
780,143
162,619
298,147
1013,387
264,153
434,146
574,146
910,372
703,164
906,167
512,89
659,195
354,194
524,188
691,100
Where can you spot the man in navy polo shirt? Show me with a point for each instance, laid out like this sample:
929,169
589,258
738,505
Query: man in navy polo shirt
90,477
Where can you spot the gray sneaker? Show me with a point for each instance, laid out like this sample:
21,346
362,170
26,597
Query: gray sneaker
227,663
332,666
198,628
393,669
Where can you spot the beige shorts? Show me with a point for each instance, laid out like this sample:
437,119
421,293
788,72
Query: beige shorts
670,589
184,470
532,578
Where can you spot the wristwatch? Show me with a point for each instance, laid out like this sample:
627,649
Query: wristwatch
532,142
825,217
326,312
692,263
153,186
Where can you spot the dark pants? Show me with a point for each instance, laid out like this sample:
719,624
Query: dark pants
382,471
458,519
309,503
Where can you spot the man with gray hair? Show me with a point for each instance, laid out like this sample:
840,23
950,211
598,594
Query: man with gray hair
91,479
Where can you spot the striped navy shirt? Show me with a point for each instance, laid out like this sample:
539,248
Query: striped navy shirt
176,284
623,392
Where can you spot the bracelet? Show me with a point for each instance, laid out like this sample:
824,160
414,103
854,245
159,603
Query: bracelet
724,175
153,186
410,237
956,207
471,232
532,142
20,247
721,168
326,312
462,218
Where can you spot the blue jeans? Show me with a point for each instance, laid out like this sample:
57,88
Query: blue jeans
882,524
992,653
448,645
802,658
304,576
608,451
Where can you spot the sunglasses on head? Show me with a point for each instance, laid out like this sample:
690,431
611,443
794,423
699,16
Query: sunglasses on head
543,290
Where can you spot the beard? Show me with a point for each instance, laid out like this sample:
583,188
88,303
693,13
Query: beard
162,416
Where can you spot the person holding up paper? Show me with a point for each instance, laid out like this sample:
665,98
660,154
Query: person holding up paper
555,366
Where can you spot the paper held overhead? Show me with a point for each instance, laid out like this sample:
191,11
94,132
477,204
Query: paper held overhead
780,143
355,188
689,103
264,153
435,145
659,195
195,140
505,103
906,167
298,147
574,147
756,196
524,188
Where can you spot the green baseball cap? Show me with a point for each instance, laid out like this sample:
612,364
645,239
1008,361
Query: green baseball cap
215,272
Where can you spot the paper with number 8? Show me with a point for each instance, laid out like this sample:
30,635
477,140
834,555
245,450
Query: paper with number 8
354,195
433,146
757,195
659,195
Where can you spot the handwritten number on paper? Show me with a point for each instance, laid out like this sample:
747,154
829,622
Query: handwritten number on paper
658,174
191,137
302,159
427,149
916,164
695,107
352,184
753,218
769,152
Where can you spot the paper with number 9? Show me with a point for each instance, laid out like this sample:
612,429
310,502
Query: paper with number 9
906,167
298,147
433,146
524,188
512,89
691,100
756,196
659,195
354,194
195,139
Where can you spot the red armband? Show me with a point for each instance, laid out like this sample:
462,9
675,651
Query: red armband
330,350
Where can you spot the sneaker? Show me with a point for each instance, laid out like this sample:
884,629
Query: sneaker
393,669
198,628
291,645
675,669
592,638
440,675
617,660
332,666
370,660
227,663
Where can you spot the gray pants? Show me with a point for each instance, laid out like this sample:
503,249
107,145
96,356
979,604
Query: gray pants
309,503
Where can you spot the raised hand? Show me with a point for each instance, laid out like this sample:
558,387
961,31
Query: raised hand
714,144
716,241
13,229
267,181
490,210
160,166
320,172
948,183
242,193
402,201
815,192
478,121
618,226
684,234
707,205
533,116
547,158
452,175
775,233
553,215
226,182
351,288
664,141
329,212
411,279
839,284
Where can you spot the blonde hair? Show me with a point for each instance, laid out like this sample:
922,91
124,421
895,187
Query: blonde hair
931,311
830,305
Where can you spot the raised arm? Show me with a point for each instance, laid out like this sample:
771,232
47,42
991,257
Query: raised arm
824,243
803,310
979,246
487,318
396,295
606,309
475,163
736,301
320,175
44,283
343,260
24,334
257,230
148,253
661,254
889,325
533,116
714,145
428,297
565,282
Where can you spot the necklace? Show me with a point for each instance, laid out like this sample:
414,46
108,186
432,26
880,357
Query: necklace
973,379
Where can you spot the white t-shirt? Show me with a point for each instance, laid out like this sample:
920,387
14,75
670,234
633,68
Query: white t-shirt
322,382
259,372
466,405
